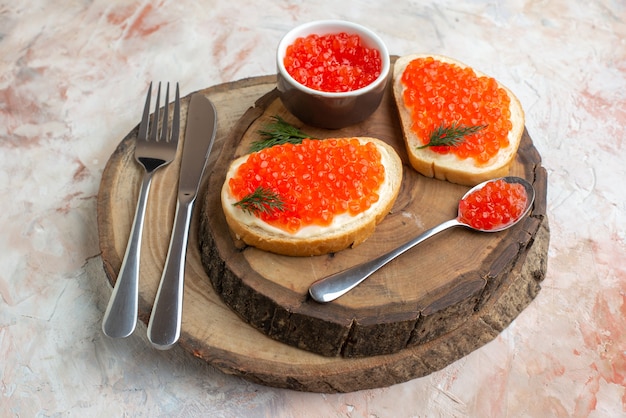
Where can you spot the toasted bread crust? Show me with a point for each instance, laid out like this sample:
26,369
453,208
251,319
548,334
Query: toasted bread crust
449,167
351,234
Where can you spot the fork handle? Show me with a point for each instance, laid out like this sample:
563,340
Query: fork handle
166,317
120,317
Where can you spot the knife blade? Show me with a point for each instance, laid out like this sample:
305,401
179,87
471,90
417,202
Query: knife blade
166,317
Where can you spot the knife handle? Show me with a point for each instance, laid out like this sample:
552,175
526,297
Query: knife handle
165,319
120,317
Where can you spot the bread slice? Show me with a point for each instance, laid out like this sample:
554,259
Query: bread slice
345,230
448,166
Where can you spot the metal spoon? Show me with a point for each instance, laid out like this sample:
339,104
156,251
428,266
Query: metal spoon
335,285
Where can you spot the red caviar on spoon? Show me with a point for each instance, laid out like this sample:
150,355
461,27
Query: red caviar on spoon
496,205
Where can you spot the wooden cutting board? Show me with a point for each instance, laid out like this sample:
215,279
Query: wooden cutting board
490,279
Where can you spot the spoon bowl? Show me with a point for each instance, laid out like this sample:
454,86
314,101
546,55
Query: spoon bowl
338,284
530,199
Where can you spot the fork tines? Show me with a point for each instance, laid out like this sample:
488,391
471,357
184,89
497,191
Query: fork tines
143,127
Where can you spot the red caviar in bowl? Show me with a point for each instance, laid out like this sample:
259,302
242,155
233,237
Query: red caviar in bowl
496,205
440,93
332,63
316,180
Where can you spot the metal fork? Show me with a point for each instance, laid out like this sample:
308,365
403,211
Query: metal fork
152,152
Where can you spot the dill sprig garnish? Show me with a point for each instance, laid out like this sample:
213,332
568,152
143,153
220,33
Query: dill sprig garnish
277,133
451,135
261,200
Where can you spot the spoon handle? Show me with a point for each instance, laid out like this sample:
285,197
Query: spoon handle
338,284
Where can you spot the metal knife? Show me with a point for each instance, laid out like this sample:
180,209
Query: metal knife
165,320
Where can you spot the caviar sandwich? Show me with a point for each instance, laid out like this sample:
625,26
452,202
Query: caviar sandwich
458,124
311,198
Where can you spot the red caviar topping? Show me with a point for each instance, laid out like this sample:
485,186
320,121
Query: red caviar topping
496,205
332,63
440,93
316,180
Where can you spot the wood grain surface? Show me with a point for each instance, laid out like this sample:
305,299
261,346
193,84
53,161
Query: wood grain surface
473,307
418,297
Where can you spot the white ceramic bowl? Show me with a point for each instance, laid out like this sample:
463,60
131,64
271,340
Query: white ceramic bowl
330,109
